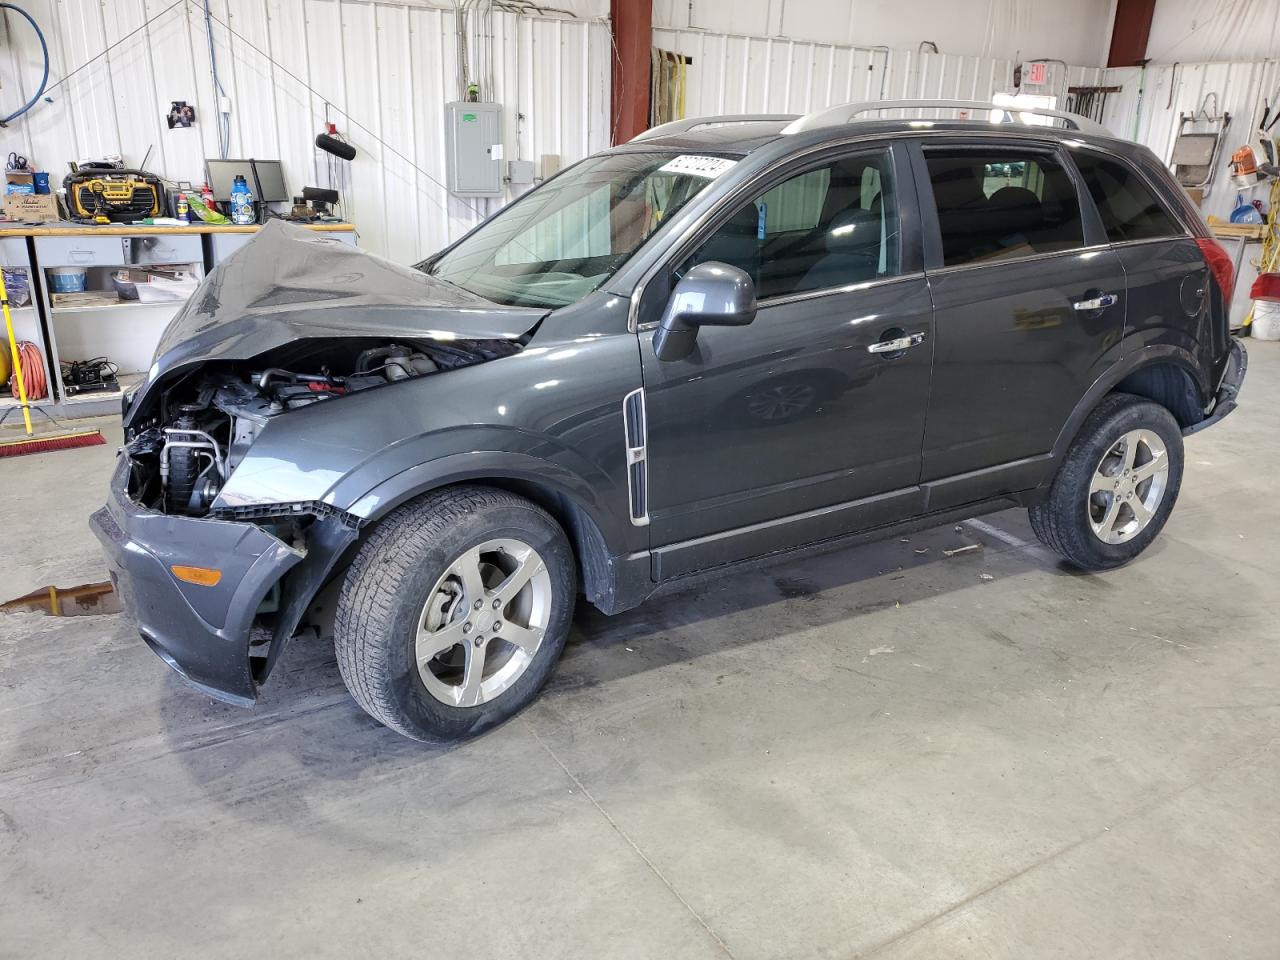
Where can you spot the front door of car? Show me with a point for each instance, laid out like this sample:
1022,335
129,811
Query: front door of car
801,425
1029,311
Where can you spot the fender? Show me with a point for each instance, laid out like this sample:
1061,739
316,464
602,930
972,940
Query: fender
1113,375
588,493
597,540
613,555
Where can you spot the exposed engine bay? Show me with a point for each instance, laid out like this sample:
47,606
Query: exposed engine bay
184,450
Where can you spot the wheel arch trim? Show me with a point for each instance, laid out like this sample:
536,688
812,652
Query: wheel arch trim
1128,364
599,539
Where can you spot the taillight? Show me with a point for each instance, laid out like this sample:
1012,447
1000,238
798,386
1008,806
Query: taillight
1219,263
1266,287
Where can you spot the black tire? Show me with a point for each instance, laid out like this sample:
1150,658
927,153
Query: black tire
1062,520
387,586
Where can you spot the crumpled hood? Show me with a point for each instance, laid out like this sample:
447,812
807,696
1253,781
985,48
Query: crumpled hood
290,283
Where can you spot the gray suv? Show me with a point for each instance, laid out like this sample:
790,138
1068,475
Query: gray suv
729,339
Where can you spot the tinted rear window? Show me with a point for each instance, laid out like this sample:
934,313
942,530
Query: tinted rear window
995,206
1128,207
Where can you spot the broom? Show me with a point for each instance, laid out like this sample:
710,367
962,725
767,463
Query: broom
59,440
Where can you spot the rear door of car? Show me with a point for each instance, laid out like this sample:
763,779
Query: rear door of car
1167,275
1029,307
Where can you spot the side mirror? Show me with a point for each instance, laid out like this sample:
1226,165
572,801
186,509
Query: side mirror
711,294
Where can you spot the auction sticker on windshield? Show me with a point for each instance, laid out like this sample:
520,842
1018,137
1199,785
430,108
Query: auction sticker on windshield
692,165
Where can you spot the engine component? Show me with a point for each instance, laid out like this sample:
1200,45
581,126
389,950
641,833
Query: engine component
399,362
187,485
203,426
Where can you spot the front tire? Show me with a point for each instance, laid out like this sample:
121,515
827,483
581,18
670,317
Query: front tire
454,612
1116,487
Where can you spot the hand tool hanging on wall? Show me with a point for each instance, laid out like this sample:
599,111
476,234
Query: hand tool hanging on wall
1089,101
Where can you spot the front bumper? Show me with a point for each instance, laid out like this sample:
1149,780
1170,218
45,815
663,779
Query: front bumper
202,632
1224,400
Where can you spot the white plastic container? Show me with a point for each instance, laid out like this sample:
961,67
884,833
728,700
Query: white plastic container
167,290
1266,320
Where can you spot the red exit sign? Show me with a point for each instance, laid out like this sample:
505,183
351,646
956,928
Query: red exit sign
1037,73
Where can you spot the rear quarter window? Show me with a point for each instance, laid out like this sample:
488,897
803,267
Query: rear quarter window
1129,208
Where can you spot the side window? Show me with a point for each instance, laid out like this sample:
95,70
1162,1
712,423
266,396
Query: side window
829,226
995,206
1129,210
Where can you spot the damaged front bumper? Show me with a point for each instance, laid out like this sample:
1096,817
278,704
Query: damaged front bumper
1228,390
204,632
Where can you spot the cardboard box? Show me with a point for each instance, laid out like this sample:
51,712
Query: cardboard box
32,207
19,181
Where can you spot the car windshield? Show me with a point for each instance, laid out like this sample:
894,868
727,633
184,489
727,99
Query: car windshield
564,239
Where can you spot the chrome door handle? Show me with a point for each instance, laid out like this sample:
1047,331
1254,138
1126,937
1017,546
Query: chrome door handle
1100,302
896,344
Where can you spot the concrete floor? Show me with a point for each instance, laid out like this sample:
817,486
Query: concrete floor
877,753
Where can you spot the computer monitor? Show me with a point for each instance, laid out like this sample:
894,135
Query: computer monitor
270,179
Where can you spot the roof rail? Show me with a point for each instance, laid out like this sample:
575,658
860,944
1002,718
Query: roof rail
847,112
690,123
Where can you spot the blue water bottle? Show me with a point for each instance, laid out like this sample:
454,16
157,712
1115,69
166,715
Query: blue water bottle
241,202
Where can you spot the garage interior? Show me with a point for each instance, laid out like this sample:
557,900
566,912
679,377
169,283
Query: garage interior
944,744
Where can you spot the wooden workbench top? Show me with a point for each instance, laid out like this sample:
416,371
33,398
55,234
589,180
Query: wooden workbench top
66,229
1239,231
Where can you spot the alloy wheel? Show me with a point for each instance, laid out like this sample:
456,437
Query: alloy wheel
483,622
1128,486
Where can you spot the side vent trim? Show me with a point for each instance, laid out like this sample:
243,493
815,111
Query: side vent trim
636,432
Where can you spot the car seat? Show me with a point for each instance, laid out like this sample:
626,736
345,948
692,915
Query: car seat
1016,216
853,252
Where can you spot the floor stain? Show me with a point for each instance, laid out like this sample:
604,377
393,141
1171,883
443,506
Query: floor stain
84,600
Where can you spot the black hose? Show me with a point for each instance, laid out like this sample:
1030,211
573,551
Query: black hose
44,80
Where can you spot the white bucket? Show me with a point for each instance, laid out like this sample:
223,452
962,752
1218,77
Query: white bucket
1266,320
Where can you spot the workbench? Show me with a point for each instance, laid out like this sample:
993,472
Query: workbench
99,323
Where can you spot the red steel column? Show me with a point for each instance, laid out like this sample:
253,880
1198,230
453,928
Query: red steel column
632,25
1129,35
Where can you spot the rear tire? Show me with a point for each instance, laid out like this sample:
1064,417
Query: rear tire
1116,487
454,612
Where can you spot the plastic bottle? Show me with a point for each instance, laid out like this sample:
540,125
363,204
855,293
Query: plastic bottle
183,208
242,211
206,194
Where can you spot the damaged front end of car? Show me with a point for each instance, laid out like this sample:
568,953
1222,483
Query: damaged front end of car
219,551
184,444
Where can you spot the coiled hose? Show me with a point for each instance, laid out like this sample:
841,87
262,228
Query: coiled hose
44,50
33,375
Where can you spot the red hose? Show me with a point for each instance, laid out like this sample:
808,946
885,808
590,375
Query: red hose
33,376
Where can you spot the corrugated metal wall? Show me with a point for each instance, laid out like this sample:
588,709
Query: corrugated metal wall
390,66
1169,91
740,74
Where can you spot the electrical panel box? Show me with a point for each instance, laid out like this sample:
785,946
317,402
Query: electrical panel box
520,172
473,149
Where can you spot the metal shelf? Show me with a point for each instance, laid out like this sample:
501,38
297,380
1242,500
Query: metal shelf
118,305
